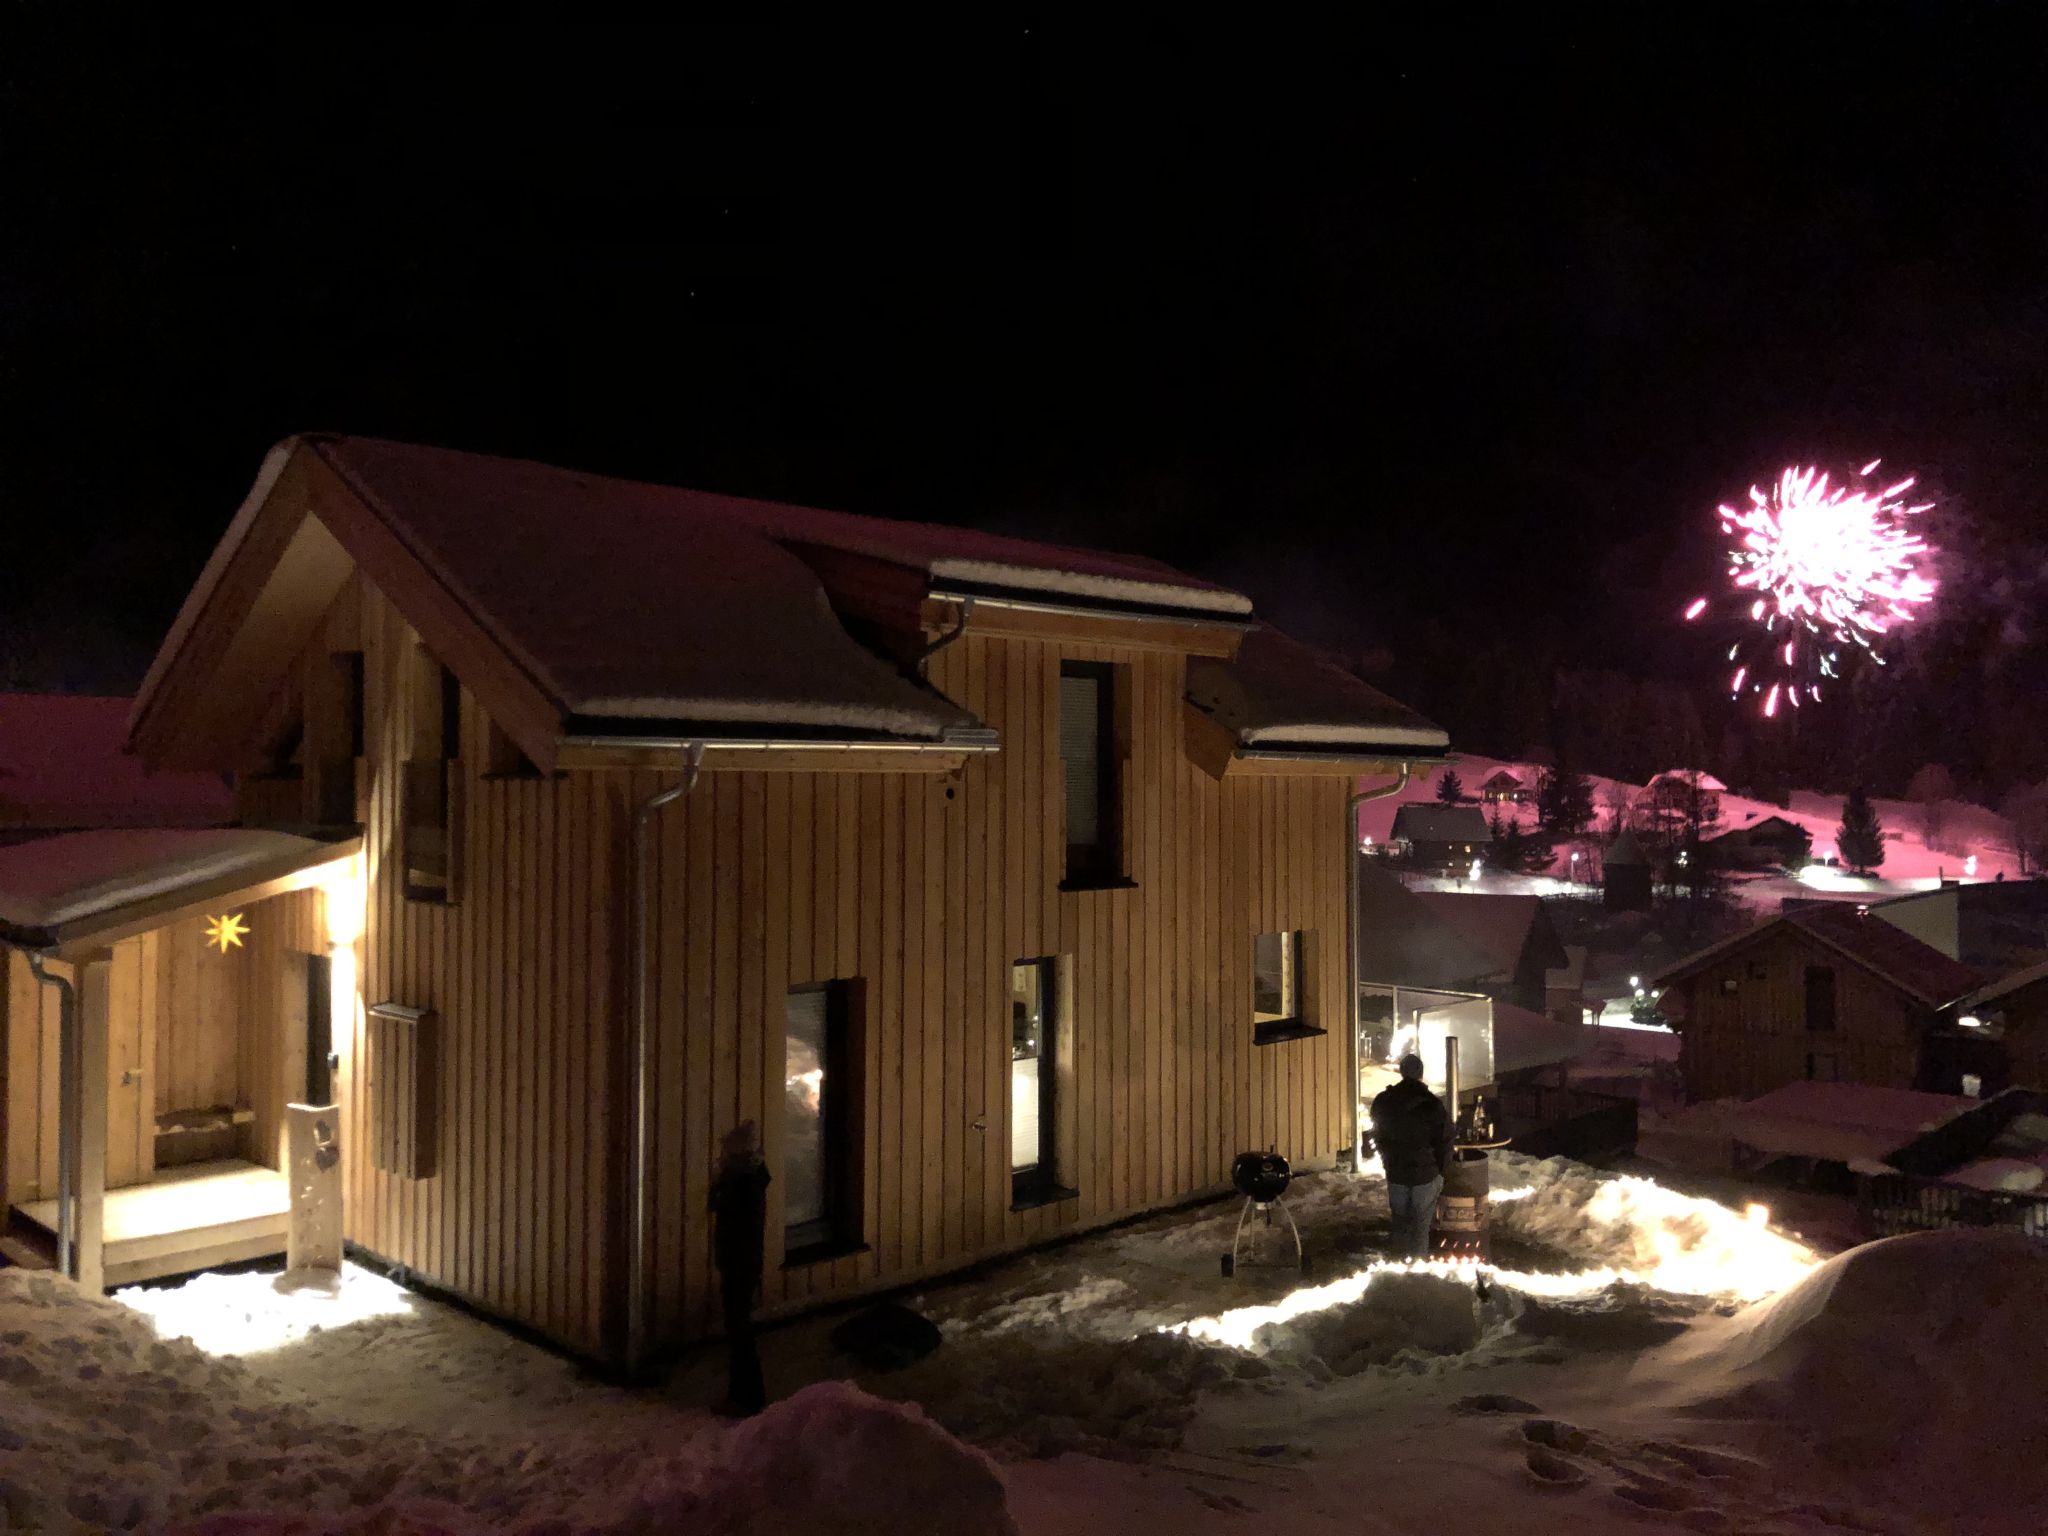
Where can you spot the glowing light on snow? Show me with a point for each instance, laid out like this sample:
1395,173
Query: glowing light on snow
1970,865
1839,561
1688,1247
1758,1215
250,1314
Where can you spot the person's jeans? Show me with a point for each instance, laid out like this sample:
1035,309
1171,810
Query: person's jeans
1412,1206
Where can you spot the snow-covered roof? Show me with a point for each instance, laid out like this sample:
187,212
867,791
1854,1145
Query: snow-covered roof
1918,969
1501,776
1277,693
1840,1122
1687,777
72,884
1425,823
63,766
1523,1039
640,602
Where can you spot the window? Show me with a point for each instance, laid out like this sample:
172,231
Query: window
820,1104
1821,1067
338,731
1820,999
1279,1010
1034,1083
1088,704
433,784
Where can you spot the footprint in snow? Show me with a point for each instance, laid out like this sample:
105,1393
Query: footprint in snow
1493,1402
1553,1471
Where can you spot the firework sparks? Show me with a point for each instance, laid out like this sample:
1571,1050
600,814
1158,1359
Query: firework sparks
1834,568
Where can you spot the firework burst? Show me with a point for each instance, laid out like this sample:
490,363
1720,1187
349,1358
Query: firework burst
1829,570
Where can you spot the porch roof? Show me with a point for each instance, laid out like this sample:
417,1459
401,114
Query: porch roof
98,886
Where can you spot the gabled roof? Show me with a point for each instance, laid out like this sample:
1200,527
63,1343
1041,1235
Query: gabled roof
64,767
1501,776
641,602
1277,694
1624,850
1686,778
1762,823
1891,954
1499,926
1423,823
583,607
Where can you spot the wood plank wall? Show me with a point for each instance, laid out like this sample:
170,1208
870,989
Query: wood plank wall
1746,1042
926,889
517,1215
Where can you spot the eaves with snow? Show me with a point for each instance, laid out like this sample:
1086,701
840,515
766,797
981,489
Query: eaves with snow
584,607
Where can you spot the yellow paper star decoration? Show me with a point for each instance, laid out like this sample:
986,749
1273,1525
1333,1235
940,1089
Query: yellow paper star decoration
225,932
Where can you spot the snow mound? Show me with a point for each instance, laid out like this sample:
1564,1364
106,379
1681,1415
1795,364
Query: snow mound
1914,1363
103,1426
1672,1241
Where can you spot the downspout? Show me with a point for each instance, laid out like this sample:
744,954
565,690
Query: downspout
637,1280
940,642
1351,806
68,1109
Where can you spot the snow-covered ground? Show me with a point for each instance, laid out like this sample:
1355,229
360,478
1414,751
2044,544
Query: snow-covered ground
1637,1354
1911,862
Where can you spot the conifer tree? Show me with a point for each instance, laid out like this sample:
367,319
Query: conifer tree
1860,838
1450,789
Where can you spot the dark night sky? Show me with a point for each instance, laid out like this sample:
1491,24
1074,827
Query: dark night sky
1451,317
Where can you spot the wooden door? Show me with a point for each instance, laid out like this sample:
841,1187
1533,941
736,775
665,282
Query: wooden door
131,1042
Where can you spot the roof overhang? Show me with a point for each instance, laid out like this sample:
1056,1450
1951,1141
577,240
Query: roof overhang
600,749
85,890
1222,753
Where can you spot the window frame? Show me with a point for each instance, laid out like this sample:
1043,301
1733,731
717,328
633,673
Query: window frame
1040,1183
1296,1020
1102,866
837,1232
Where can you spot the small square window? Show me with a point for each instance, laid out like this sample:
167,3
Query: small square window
1279,1009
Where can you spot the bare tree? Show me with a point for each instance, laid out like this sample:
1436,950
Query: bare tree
1932,788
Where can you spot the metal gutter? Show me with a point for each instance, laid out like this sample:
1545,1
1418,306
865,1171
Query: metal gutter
979,741
638,1281
1351,805
1094,611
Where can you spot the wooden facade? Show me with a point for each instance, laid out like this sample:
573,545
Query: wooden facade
897,845
1743,1019
921,887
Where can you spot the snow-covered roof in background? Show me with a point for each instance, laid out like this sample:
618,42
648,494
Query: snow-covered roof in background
63,766
1423,822
1840,1122
1523,1039
1276,693
625,600
1918,969
1501,775
1688,777
81,880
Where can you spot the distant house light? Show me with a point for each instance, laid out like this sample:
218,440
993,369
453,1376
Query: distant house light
1970,1021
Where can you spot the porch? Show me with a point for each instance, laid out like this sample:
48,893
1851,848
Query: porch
164,996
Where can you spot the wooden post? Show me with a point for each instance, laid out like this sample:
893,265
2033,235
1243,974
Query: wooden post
313,1167
94,987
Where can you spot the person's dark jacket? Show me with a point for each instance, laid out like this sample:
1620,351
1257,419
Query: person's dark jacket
1412,1130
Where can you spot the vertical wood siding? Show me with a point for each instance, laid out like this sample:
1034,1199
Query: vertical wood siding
924,889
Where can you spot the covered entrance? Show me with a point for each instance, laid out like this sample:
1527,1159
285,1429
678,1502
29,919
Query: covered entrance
168,994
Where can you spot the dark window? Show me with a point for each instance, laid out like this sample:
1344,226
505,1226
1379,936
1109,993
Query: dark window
1820,998
1088,754
319,1030
1034,1081
1821,1067
821,1097
433,784
348,667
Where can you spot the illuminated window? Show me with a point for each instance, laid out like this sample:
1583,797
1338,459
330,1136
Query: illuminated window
820,1176
1279,1007
1034,1080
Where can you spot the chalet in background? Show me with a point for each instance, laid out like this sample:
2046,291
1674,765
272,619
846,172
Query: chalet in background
1769,842
1829,993
1002,886
1446,837
1503,786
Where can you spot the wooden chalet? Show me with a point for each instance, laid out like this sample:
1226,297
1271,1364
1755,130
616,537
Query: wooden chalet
1003,887
1828,993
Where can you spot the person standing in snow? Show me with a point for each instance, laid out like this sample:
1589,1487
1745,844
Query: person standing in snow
1412,1130
739,1204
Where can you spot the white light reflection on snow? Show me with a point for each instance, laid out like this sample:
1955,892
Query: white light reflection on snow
249,1314
1686,1247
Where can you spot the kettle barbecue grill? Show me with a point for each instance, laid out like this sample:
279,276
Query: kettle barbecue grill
1262,1178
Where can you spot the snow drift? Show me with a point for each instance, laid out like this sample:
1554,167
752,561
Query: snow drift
1912,1365
105,1427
